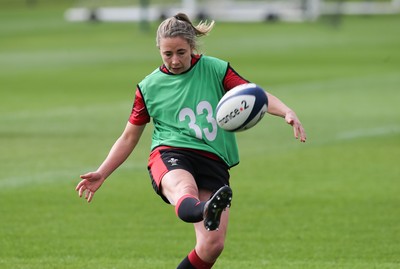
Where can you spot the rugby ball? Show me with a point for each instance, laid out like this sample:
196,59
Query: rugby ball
241,107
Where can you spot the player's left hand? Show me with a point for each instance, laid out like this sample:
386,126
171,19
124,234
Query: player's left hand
299,132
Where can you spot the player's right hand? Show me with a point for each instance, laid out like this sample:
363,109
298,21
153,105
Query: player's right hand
89,184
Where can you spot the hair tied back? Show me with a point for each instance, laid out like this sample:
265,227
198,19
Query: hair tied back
178,17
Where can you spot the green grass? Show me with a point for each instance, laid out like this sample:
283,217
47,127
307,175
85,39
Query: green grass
67,90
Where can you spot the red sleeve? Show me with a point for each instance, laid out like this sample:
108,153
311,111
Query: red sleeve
139,114
232,79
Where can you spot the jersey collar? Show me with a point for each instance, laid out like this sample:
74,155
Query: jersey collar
195,59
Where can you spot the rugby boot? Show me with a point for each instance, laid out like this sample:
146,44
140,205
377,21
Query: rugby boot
214,207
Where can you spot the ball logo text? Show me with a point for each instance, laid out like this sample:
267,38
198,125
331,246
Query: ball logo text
235,112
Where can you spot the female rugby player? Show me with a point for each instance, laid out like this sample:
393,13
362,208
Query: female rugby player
190,156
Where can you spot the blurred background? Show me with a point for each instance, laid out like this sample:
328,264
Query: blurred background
223,10
68,73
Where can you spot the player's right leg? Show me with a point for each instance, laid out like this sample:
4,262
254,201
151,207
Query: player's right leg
209,244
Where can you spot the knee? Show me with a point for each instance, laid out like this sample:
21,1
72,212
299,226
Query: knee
211,249
217,248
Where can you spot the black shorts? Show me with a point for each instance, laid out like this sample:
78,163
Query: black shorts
209,173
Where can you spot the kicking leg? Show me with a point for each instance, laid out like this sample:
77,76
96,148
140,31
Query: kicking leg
209,244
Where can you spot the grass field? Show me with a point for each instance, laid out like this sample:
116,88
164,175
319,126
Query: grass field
66,92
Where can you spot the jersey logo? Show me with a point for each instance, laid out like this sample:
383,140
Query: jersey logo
173,161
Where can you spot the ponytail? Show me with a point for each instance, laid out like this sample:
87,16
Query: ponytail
181,26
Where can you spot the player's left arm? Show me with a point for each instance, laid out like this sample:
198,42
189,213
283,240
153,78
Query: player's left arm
278,108
232,79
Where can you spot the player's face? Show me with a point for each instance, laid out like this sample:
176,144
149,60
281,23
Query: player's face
176,54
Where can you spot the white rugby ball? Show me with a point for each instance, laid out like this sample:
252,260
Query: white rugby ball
241,107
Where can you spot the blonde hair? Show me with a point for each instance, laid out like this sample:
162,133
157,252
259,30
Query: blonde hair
181,26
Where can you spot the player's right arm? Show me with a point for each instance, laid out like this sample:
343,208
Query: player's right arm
119,152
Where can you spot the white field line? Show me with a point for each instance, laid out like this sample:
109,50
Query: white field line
368,132
65,111
283,148
57,176
34,179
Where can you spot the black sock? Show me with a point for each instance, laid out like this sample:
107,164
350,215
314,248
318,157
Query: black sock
190,209
185,264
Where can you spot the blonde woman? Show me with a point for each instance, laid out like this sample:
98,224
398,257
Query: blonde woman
190,156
